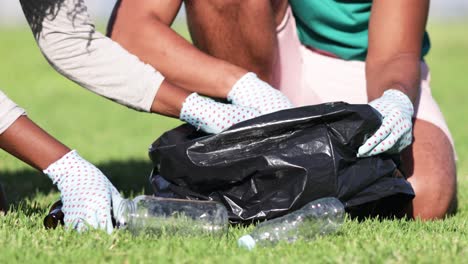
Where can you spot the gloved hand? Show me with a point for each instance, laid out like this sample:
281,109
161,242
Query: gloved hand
211,116
252,92
395,133
87,195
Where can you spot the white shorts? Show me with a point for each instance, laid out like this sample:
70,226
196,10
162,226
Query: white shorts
308,77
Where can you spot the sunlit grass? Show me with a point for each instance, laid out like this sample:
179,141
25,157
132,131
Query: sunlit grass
116,140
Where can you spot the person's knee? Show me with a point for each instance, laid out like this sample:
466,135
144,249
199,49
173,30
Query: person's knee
430,165
434,201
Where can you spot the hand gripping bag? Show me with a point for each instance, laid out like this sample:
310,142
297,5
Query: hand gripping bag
273,164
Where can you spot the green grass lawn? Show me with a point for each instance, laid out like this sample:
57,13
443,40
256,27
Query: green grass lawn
116,140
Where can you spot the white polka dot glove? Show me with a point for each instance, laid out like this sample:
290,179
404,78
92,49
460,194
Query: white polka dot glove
211,116
252,92
395,133
87,195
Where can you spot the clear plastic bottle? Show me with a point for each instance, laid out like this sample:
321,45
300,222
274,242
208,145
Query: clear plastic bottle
158,216
319,217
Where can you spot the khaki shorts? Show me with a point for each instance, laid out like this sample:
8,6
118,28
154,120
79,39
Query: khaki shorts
309,77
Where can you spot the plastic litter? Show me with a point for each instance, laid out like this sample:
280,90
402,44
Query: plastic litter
274,164
158,216
317,218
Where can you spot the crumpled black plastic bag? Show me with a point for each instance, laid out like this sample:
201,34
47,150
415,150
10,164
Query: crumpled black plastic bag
267,166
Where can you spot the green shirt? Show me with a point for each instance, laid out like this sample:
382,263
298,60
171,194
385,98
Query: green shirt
337,26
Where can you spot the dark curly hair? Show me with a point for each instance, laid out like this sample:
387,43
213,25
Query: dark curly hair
37,10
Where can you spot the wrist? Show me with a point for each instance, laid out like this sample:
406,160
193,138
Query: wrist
400,96
396,88
410,93
191,109
228,80
169,99
61,168
393,99
241,86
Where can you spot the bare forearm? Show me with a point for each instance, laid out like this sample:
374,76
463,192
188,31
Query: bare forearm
148,35
23,139
29,143
401,72
396,31
169,100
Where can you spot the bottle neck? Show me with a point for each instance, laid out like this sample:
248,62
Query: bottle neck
124,211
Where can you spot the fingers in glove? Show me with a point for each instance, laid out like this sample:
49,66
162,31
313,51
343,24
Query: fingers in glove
401,135
211,116
399,138
116,203
250,91
393,124
383,132
386,145
405,141
79,222
86,193
106,222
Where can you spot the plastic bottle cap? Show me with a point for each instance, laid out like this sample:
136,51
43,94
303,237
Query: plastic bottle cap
247,242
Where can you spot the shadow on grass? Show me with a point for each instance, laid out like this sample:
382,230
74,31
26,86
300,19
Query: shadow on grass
130,177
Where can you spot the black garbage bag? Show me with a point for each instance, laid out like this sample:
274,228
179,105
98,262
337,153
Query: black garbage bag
273,164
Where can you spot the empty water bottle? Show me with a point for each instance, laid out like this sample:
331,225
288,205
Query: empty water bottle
158,216
319,217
